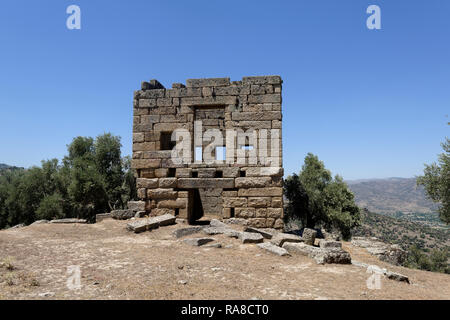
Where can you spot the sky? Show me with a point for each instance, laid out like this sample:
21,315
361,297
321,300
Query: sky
369,103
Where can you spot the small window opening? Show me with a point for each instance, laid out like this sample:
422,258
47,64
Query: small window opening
220,153
194,174
171,173
166,142
218,174
198,154
242,173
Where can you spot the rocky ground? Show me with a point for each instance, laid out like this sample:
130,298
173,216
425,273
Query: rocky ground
119,264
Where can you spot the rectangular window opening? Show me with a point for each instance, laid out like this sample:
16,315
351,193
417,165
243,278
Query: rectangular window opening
198,154
171,172
221,153
166,142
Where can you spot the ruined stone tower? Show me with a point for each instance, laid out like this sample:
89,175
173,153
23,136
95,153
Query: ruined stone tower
210,147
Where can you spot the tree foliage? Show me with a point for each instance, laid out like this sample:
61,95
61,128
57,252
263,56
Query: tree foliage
436,180
317,199
436,261
92,178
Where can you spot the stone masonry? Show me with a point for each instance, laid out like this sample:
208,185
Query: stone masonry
245,183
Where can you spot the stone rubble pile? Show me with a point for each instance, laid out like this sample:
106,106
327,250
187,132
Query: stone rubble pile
392,254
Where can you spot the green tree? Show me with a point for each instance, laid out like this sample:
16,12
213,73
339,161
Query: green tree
51,207
436,180
318,199
439,261
93,178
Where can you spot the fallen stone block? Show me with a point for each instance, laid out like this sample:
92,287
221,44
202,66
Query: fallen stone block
150,223
218,224
40,222
68,221
280,238
21,225
141,225
396,276
164,220
123,214
273,249
214,230
309,236
250,237
320,255
102,216
266,234
197,241
220,230
214,245
329,244
338,256
179,233
237,221
301,249
136,205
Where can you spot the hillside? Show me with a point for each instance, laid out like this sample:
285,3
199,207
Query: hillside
392,196
404,233
117,264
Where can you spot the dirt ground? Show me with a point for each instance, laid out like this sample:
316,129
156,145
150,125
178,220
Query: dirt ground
118,264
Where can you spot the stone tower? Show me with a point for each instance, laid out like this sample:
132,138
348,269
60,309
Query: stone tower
210,147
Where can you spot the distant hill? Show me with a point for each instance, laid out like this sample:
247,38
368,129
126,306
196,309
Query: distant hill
4,167
391,196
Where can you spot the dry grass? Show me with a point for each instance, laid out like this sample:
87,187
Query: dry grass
117,264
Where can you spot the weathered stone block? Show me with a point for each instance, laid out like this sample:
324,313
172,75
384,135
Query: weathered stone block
275,213
273,249
122,214
234,202
309,236
172,204
245,212
136,205
280,238
259,202
262,80
253,182
179,233
230,172
145,163
146,183
205,183
167,182
261,192
196,242
209,82
161,194
250,237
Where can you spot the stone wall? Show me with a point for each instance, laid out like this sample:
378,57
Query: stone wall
247,185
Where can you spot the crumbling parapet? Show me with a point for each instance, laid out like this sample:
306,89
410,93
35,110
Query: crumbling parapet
210,147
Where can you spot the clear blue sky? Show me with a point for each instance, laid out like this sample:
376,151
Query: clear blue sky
369,103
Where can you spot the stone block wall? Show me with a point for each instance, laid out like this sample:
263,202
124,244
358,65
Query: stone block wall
247,185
